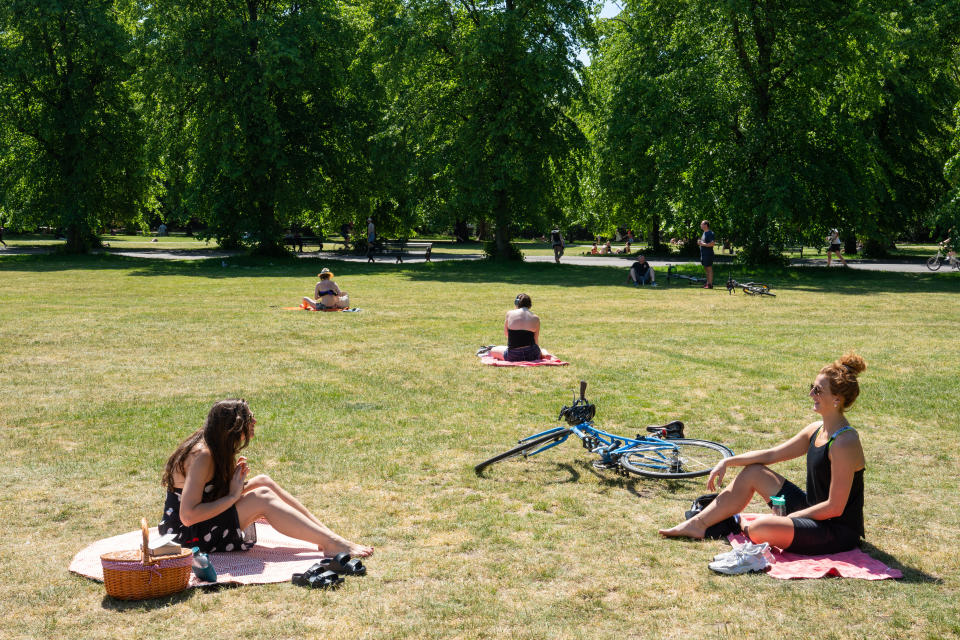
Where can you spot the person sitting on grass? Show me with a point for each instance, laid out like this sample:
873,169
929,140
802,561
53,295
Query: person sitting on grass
522,329
210,502
641,272
328,295
828,517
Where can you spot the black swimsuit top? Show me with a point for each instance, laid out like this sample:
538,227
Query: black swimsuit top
818,483
517,338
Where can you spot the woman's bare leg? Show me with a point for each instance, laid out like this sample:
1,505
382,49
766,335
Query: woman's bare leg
289,520
754,478
777,530
497,352
264,480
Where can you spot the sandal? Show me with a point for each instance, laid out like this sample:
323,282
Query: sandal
317,580
342,564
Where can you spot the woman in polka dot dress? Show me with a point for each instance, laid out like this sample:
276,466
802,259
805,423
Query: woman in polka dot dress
210,503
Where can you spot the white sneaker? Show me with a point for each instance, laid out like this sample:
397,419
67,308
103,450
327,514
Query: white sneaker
749,557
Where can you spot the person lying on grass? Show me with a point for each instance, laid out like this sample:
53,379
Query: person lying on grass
828,517
522,328
210,502
328,295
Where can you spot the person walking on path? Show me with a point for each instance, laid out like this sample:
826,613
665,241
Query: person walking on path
706,243
833,247
371,236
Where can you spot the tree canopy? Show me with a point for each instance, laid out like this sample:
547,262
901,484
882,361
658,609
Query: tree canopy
775,121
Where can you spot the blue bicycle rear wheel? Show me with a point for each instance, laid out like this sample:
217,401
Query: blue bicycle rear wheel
524,448
679,458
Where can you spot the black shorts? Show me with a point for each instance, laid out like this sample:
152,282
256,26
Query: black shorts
530,353
815,537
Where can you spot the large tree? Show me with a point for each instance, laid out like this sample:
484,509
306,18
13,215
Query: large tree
481,92
748,112
252,100
70,148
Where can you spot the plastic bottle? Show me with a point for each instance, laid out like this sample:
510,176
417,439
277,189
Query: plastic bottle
202,567
779,505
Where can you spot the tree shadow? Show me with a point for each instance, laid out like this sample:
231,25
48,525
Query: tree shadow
783,280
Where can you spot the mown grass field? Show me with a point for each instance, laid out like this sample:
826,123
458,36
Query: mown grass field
376,419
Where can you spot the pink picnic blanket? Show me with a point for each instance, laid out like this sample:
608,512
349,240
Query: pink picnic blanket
275,558
545,361
847,564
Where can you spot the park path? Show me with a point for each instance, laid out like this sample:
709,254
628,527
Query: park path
439,256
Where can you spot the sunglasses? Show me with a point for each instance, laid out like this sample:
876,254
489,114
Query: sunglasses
816,389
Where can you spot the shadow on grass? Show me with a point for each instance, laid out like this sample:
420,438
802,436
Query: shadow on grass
910,574
112,604
523,275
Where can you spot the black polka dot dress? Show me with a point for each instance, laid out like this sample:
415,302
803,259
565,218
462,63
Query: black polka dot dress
220,533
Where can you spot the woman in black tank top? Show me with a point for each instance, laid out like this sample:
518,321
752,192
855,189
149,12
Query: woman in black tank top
828,516
522,328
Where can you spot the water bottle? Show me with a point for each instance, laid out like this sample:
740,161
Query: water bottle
779,505
202,567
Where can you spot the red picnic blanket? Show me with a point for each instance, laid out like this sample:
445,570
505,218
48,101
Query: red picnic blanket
545,361
846,564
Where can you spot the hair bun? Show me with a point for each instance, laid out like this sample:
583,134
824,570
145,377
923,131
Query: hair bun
853,362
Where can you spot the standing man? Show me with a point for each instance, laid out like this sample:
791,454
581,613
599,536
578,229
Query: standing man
706,243
371,237
556,241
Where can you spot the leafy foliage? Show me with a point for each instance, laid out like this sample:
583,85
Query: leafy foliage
252,100
70,143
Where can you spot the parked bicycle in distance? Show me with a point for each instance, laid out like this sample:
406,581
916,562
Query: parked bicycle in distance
750,288
673,274
663,453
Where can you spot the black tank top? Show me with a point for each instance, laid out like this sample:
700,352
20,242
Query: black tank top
517,338
818,484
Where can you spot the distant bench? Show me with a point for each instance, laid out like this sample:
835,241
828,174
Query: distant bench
297,243
399,249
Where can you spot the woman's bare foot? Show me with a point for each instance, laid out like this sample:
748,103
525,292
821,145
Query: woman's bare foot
688,529
355,550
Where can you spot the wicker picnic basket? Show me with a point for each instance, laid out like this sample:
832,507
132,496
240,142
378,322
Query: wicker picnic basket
136,575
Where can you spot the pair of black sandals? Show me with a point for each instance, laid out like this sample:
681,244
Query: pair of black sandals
329,572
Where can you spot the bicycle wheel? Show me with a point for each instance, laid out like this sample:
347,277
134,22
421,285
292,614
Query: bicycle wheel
685,459
933,263
524,448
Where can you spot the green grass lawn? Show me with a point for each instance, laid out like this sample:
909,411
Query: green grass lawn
376,419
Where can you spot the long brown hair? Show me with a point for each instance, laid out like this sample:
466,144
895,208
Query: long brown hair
225,432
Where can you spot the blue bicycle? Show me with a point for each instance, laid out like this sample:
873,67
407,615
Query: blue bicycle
664,453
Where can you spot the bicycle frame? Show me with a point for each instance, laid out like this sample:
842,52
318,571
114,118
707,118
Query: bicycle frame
610,446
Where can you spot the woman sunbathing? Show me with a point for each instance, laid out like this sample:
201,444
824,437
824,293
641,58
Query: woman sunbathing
210,502
522,329
828,517
328,295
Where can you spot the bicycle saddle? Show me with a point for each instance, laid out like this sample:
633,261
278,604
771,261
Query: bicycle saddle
670,431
